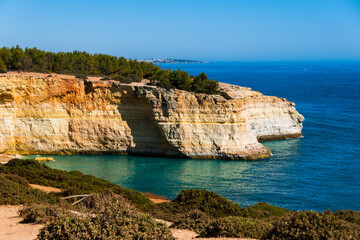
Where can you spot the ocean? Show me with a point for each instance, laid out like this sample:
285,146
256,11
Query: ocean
317,172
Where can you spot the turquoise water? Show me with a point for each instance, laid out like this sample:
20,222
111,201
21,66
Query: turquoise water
318,172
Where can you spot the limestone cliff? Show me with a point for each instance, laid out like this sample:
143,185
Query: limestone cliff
60,114
270,118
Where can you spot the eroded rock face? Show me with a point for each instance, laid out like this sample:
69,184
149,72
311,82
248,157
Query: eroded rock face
270,118
59,114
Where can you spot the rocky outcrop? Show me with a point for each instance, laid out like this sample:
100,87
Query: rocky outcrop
60,114
270,118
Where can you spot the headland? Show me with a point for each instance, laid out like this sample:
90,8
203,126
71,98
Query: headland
61,114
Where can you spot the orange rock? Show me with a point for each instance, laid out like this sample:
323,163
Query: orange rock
59,114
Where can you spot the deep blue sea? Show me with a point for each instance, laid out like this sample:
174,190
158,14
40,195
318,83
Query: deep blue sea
318,172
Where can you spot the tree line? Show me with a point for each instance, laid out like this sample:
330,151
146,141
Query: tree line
111,67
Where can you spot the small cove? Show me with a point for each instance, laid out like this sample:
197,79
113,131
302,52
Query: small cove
318,172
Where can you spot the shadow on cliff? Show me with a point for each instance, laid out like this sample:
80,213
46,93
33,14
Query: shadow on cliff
148,139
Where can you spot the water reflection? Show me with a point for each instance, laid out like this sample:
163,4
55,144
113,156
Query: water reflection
244,182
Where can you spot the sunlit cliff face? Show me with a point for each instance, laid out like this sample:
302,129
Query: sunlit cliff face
58,114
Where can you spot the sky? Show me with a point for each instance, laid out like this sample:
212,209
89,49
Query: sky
212,30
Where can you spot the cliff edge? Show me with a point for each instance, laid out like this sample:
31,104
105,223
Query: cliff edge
59,114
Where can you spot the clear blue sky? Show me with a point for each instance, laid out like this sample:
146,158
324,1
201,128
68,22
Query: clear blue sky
229,30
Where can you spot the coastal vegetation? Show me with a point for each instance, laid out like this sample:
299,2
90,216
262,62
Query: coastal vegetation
104,216
114,212
14,193
109,67
72,183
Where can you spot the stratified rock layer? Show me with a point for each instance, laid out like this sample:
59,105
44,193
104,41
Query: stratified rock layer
60,114
270,118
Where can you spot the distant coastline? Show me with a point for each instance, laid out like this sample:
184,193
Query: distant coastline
169,60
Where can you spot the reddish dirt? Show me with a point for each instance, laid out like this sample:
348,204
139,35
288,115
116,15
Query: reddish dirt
45,188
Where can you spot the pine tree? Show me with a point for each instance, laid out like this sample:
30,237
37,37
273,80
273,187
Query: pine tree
117,68
2,66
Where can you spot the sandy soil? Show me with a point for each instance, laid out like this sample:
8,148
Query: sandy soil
156,201
156,198
11,227
45,188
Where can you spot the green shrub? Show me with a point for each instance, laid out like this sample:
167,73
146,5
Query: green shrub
106,78
81,76
349,216
213,205
2,70
127,79
16,178
133,78
13,193
74,182
71,228
264,210
107,205
235,227
42,214
307,225
93,228
207,226
208,202
194,220
110,217
225,95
